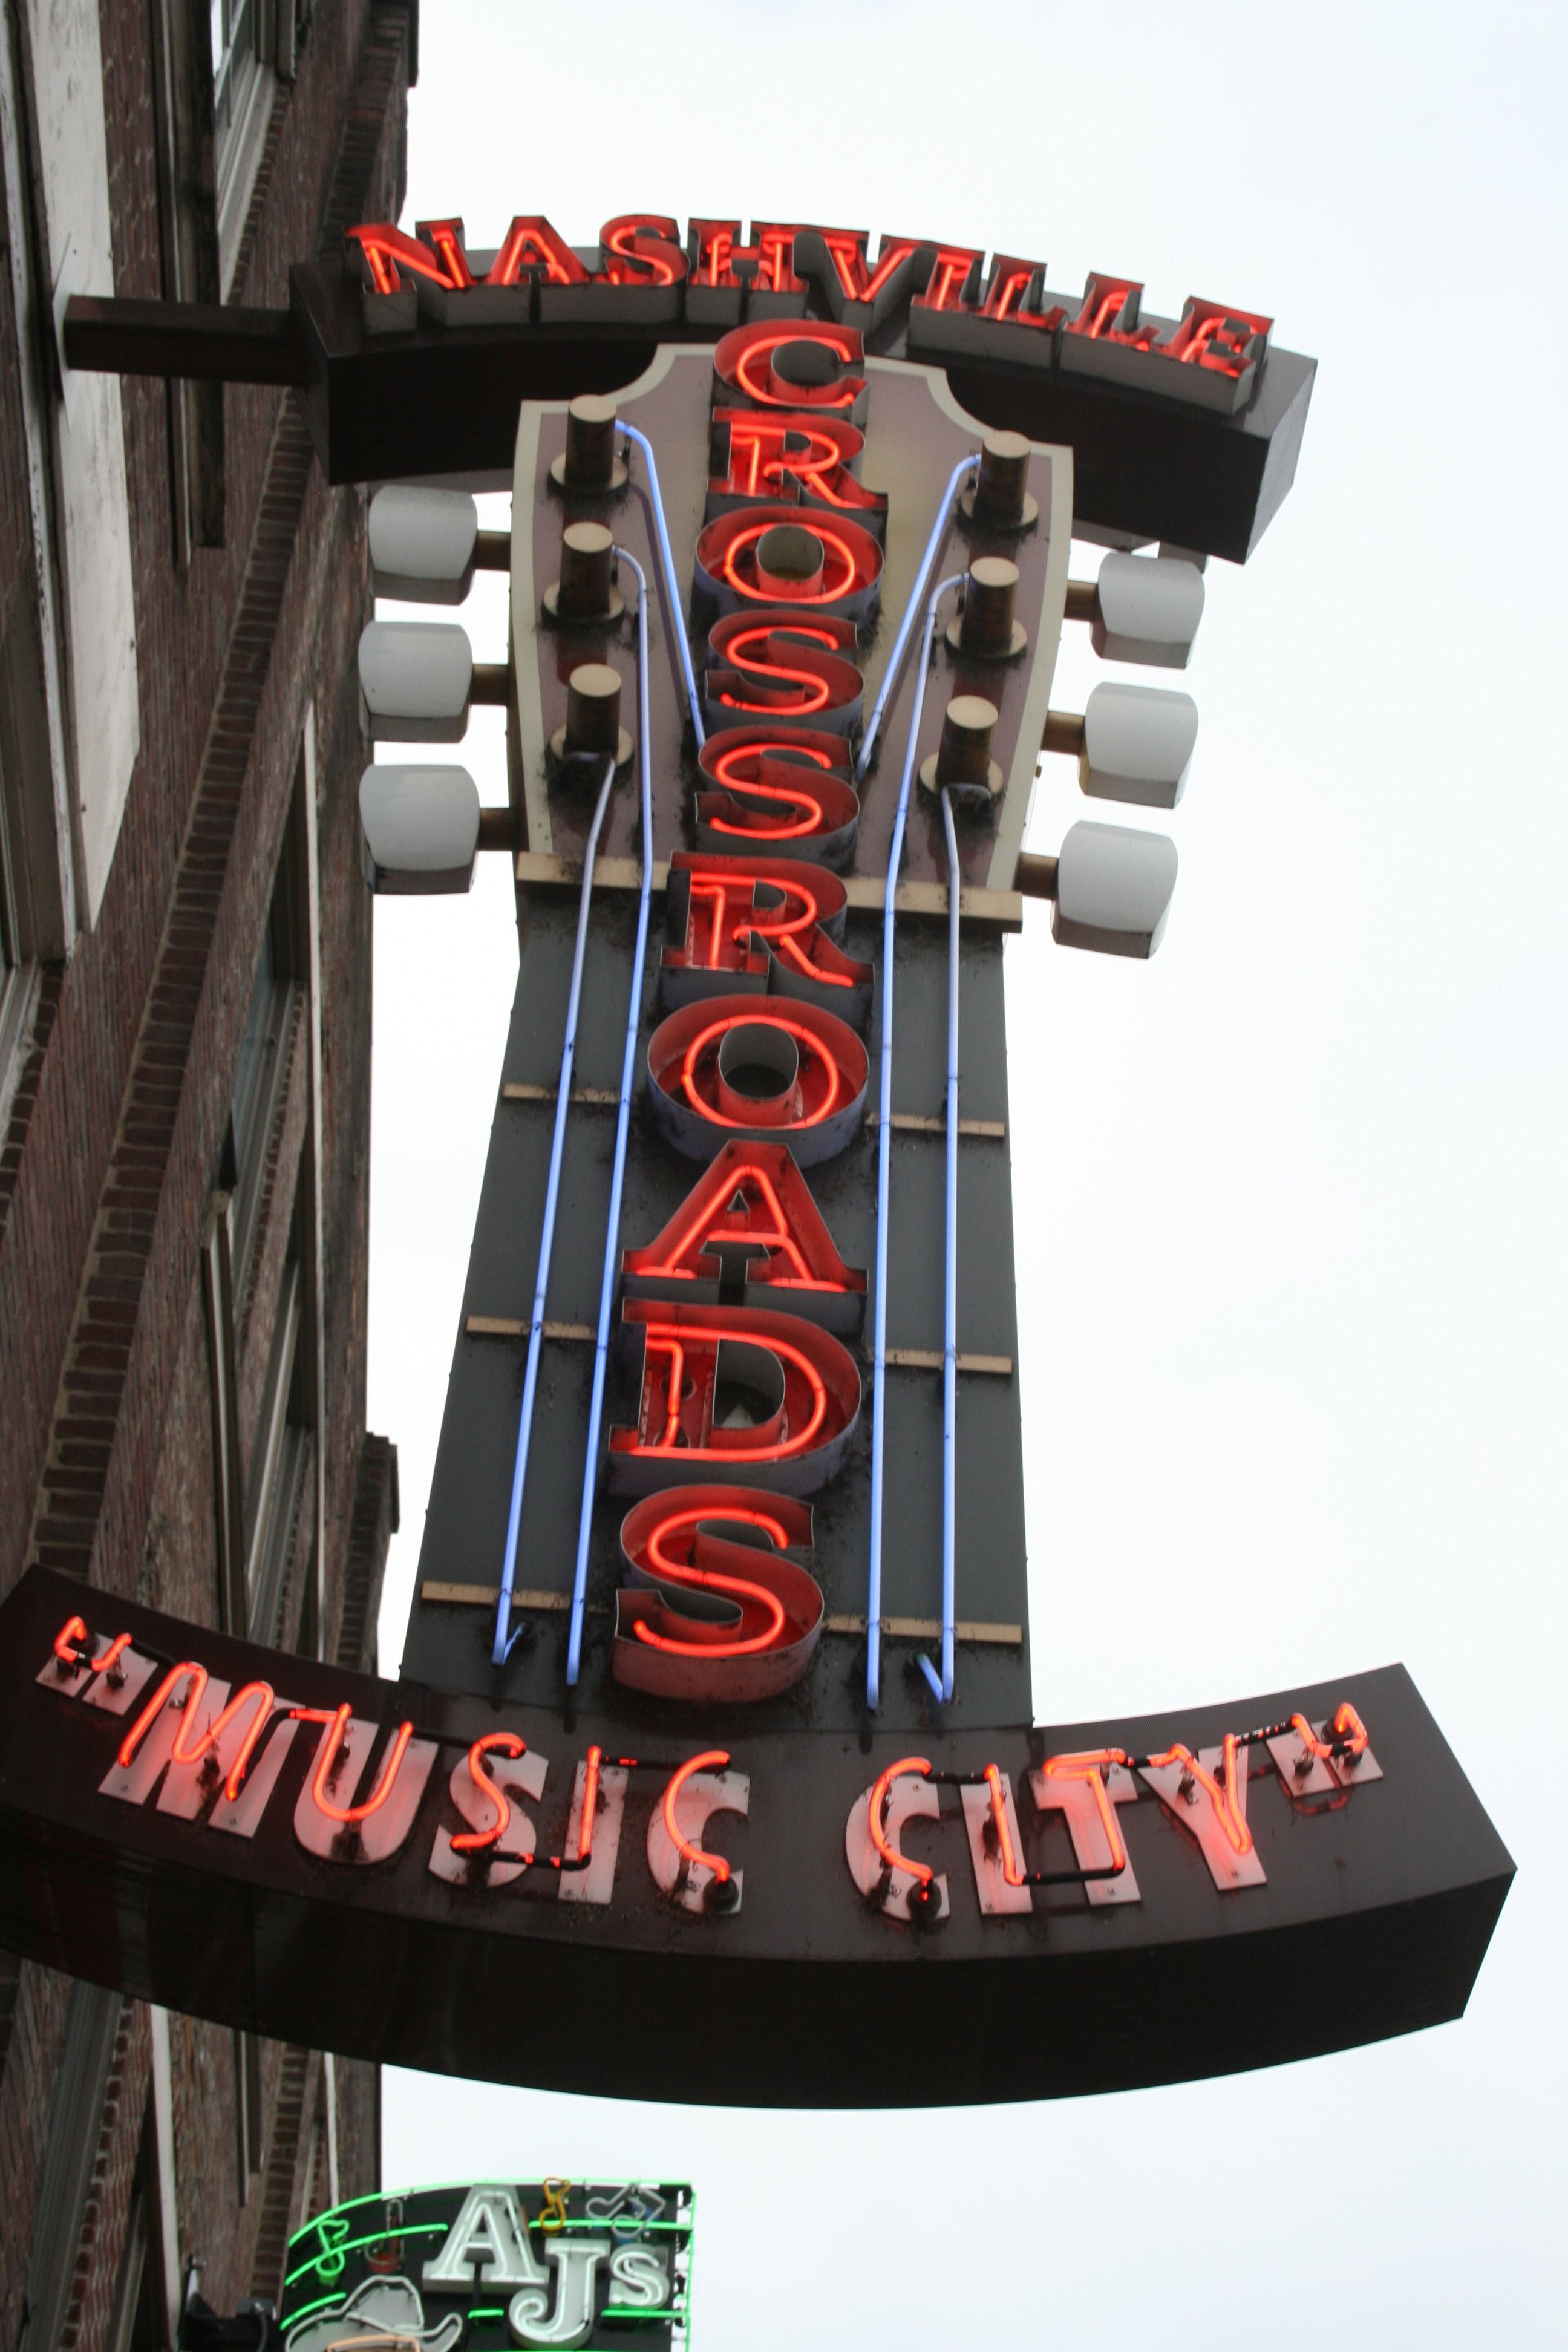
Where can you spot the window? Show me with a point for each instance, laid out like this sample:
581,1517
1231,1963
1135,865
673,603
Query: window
255,44
70,2149
265,1475
138,2319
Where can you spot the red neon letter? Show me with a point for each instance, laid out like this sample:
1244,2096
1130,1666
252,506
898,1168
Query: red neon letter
720,1550
733,552
1179,1778
773,455
766,265
750,1218
645,247
771,920
531,245
735,1389
1211,336
504,1743
765,365
741,1064
794,666
187,1749
387,252
1108,313
836,258
777,786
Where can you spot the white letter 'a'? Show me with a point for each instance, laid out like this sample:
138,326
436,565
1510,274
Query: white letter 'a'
492,2232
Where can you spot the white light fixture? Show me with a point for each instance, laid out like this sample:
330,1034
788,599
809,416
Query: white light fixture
1114,889
1149,607
423,543
415,677
421,829
1137,744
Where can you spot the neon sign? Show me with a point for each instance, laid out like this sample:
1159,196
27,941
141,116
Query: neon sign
1208,356
719,1700
493,2268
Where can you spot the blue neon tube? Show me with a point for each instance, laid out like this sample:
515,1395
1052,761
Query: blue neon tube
884,1151
623,1121
672,585
888,687
503,1636
942,1689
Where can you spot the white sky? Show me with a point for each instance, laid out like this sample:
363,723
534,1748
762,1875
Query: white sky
1289,1198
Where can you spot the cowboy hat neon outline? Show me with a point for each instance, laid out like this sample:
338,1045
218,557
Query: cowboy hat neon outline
382,2314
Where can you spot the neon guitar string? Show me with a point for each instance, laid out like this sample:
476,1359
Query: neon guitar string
884,1166
890,678
941,1688
672,589
504,1637
628,1066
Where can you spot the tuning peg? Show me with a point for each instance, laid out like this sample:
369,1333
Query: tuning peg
420,829
427,545
1114,889
422,544
1147,609
416,678
1137,744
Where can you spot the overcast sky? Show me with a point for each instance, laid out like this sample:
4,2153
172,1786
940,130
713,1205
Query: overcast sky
1289,1198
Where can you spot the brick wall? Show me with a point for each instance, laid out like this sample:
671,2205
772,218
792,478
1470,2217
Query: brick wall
113,1139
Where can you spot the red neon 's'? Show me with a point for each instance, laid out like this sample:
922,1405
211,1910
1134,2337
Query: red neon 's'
1010,1870
801,1037
666,1338
1088,1767
1223,1800
508,1744
889,1854
651,243
681,1572
811,808
182,1752
590,1802
766,664
691,1855
337,1723
1345,1716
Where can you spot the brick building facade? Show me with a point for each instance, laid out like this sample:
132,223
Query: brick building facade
185,1043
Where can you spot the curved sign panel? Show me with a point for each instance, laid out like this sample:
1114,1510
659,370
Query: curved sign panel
791,1918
